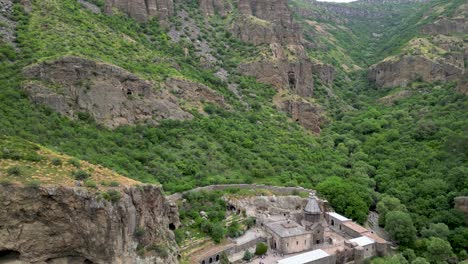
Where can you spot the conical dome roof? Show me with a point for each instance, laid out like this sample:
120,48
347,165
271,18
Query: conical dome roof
312,206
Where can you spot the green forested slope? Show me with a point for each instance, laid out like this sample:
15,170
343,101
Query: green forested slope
409,155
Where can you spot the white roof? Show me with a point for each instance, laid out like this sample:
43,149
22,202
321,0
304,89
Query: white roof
338,216
305,257
362,241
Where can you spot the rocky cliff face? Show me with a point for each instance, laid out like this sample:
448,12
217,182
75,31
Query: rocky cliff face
74,225
457,23
111,95
439,58
8,25
143,10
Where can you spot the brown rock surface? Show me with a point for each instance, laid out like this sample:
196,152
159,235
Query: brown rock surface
307,114
296,76
143,10
111,95
60,224
211,7
406,69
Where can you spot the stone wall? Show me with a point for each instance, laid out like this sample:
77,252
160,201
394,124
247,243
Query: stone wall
219,187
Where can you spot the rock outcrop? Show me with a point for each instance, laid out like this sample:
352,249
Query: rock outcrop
7,25
143,10
75,225
265,22
109,94
211,7
440,58
408,69
456,24
305,113
296,76
284,63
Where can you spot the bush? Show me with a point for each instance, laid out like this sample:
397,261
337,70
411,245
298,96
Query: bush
114,184
261,249
75,162
139,232
90,184
112,196
15,171
56,162
80,175
160,250
34,184
247,255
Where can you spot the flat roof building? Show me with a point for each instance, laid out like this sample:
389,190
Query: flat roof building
311,257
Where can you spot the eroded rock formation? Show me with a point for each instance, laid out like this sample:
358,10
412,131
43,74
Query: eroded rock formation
211,7
109,94
143,10
439,58
61,224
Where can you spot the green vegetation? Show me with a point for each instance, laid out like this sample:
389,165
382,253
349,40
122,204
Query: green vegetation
408,161
112,196
261,249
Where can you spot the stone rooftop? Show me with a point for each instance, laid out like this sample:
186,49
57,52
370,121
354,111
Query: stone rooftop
286,228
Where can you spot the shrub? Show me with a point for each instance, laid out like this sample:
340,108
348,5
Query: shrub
75,162
33,184
261,249
15,171
247,255
112,196
80,175
139,232
159,249
56,162
114,184
90,184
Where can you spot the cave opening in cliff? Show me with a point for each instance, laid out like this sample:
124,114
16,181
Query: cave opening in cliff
172,226
292,79
87,261
6,255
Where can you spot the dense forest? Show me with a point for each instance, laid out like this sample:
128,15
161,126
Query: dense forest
405,157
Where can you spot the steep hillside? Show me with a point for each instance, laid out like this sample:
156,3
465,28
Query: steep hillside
191,93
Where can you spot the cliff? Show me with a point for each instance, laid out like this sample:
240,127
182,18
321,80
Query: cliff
143,10
60,224
109,94
439,58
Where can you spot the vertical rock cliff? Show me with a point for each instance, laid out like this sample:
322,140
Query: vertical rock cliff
61,224
143,10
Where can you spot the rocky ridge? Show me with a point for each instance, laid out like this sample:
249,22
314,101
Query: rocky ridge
440,55
111,95
75,225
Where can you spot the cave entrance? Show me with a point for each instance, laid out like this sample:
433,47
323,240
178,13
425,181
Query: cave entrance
172,226
7,255
292,80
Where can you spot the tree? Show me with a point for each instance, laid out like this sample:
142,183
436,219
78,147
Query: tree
387,204
261,249
439,230
400,226
420,260
438,249
217,233
247,255
347,197
224,259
